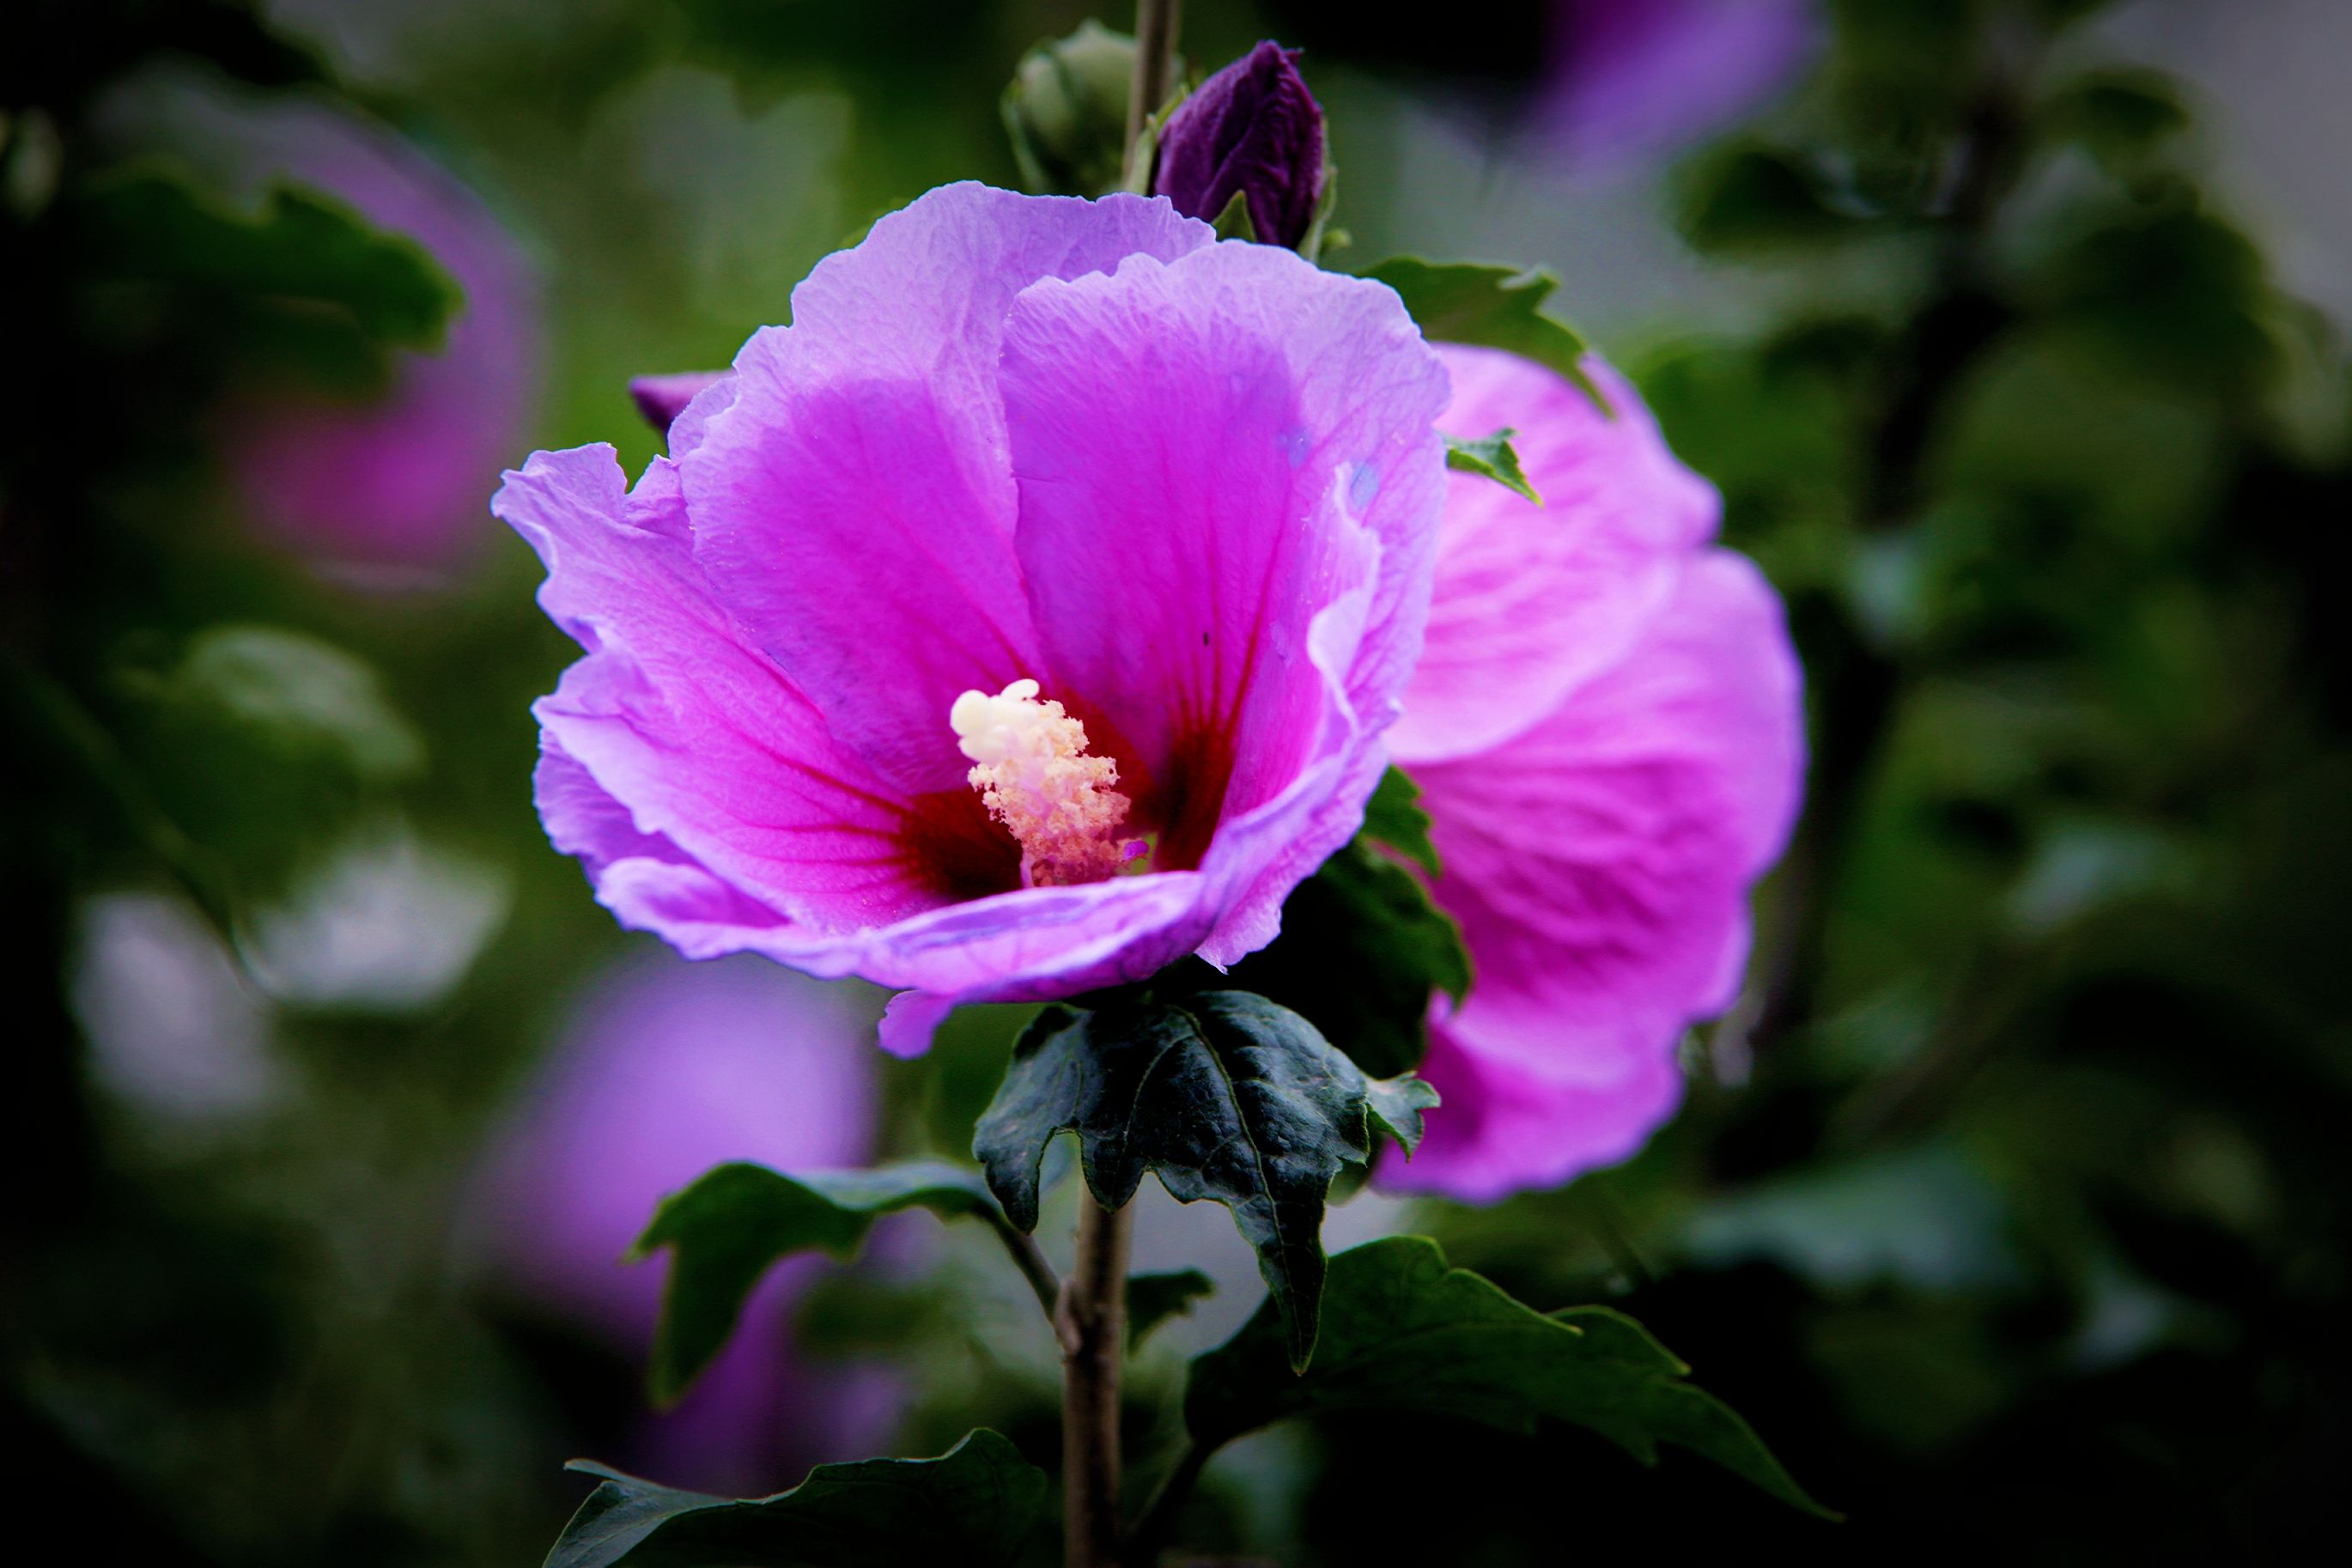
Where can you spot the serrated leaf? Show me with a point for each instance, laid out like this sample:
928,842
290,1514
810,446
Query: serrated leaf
1153,1299
1489,307
149,226
974,1505
1406,1334
738,1220
1492,457
1394,816
1362,951
1226,1096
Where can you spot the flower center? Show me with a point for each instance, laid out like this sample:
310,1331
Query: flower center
1030,764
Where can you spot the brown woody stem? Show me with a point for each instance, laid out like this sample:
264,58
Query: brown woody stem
1090,1321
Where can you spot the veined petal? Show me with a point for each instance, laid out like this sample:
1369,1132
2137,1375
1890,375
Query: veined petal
854,506
1529,602
1223,462
1599,861
704,744
1501,1130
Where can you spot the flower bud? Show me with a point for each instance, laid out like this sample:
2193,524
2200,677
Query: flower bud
1066,110
1251,130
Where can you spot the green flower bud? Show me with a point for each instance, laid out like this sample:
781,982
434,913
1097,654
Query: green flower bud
1066,110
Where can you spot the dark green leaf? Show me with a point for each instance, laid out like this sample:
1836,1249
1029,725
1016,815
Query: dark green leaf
973,1506
1153,1299
1361,950
1405,1335
1492,457
1749,198
1491,307
149,228
738,1220
2119,116
1393,816
1226,1096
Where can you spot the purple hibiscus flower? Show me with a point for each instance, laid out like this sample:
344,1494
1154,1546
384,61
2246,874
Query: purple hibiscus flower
1607,728
1023,618
1628,77
668,1070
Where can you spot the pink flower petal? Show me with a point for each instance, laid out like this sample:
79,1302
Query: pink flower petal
1599,861
1531,601
853,506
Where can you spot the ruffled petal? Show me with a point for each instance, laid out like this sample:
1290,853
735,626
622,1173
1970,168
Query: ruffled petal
1229,481
705,746
1529,601
1600,860
1499,1131
853,507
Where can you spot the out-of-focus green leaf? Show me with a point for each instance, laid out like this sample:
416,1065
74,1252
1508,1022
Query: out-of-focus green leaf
738,1220
2120,116
1226,1096
1153,1299
1492,457
1361,953
298,694
147,227
973,1506
1405,1335
1491,307
1749,198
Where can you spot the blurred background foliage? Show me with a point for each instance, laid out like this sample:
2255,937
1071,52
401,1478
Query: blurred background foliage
2011,1202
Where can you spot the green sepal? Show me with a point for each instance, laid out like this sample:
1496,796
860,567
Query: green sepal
1489,307
1493,457
1223,1094
1153,1299
738,1220
975,1506
1406,1334
1234,222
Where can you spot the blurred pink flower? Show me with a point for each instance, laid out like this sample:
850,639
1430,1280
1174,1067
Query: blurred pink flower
667,1069
1014,455
390,491
1632,76
1607,728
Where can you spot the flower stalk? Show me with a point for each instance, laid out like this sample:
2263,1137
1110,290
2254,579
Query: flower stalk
1155,60
1090,1321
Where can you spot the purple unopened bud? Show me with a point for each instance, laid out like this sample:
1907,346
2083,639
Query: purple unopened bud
662,398
1252,129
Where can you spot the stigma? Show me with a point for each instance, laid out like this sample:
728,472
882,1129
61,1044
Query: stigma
1030,764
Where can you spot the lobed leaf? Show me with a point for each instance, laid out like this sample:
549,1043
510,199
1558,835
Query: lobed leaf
738,1220
1493,457
1226,1096
1403,1332
1489,307
974,1505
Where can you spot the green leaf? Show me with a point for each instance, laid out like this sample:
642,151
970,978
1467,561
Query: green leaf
1393,816
1362,950
974,1505
1153,1299
1492,457
1234,222
1751,197
148,227
1405,1335
1491,307
738,1220
1223,1094
2121,116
